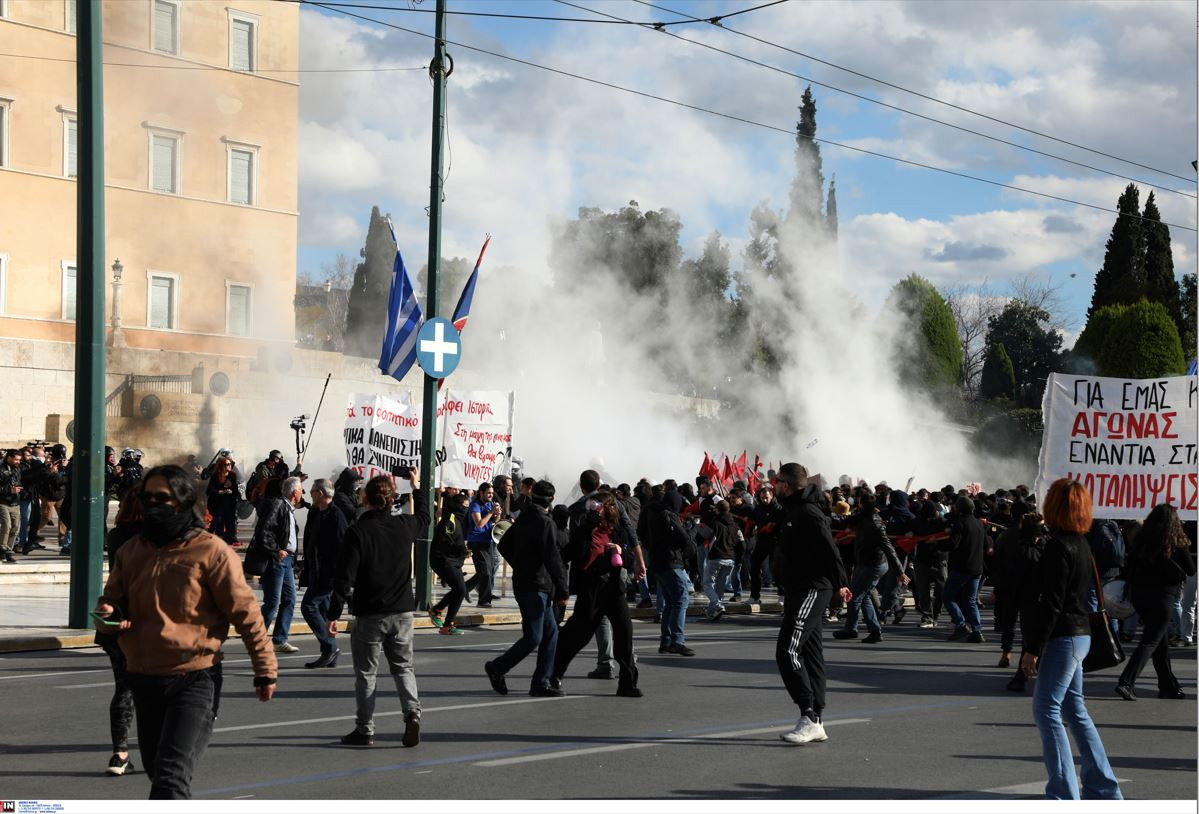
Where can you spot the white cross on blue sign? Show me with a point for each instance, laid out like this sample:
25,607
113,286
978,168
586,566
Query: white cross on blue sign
438,347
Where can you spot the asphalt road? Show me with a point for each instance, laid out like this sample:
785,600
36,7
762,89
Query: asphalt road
913,717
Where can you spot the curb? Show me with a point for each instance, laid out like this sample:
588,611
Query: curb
72,638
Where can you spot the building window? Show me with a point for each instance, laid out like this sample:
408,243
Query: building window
166,26
5,107
164,163
72,15
243,174
3,8
70,146
69,278
237,309
162,304
243,41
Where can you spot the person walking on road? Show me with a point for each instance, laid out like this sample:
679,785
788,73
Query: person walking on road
966,543
276,533
482,515
539,583
10,503
178,588
808,566
323,533
1056,644
374,574
668,542
447,555
874,555
1160,564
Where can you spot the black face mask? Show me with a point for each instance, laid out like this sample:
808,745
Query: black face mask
163,525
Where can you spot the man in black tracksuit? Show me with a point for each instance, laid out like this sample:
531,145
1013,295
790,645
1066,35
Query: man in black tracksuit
808,566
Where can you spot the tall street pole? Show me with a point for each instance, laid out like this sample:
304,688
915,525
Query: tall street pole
87,469
428,438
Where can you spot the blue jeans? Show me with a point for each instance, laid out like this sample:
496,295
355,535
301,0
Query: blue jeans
1058,695
23,533
716,574
539,631
957,585
279,595
674,597
313,607
864,579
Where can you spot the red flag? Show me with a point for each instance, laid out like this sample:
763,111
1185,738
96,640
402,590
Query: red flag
739,467
703,468
726,475
754,480
709,469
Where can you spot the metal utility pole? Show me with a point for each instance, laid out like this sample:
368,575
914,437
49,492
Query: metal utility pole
428,441
87,469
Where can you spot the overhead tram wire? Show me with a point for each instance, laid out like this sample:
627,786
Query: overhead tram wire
730,116
383,69
915,92
502,16
872,100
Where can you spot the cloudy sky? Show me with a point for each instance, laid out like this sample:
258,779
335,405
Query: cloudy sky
528,147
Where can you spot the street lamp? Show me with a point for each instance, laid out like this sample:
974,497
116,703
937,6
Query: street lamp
116,339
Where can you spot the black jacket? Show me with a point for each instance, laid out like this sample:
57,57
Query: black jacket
1017,565
1160,573
727,542
448,548
323,533
663,534
871,545
346,504
34,475
578,549
767,519
929,553
1067,576
531,547
805,548
966,543
10,479
214,489
375,562
272,532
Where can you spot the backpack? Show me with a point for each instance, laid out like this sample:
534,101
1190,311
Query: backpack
679,538
1107,547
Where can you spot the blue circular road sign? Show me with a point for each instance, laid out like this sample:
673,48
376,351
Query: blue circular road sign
438,347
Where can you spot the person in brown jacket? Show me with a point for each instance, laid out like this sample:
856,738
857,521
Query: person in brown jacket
178,588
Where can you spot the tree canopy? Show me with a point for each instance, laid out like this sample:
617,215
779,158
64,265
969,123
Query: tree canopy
936,361
1142,343
1034,348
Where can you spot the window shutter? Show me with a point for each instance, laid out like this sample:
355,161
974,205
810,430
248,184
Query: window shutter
242,34
3,129
241,166
68,294
72,148
161,291
239,310
164,164
164,27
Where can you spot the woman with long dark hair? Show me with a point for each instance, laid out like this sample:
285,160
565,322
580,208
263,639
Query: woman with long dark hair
222,501
1160,563
1055,644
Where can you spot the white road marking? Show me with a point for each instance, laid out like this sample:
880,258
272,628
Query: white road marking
109,669
84,686
623,747
399,712
1033,789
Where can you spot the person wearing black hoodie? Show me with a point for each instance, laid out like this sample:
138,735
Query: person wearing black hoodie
766,519
931,564
1009,575
874,556
345,493
898,519
661,530
530,547
447,554
724,552
967,539
808,566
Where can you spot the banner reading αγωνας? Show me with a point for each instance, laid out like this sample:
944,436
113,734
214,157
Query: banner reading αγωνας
1130,442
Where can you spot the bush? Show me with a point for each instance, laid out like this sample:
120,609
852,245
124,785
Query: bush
1084,356
1142,343
1016,433
998,376
937,362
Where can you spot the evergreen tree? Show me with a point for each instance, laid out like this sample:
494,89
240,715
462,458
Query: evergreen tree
1142,344
366,314
1187,308
936,361
998,377
1084,357
1122,277
641,248
1034,348
807,188
830,209
1160,284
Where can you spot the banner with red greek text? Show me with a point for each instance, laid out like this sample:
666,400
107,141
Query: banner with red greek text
474,430
1131,442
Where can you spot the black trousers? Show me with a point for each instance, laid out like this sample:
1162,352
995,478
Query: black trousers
120,708
451,575
1154,606
930,585
596,600
1007,613
800,648
761,552
174,724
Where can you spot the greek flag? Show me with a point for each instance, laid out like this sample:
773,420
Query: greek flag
403,320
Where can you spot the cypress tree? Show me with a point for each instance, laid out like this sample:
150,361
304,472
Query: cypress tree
1084,357
366,317
807,189
1122,277
830,209
1187,306
1160,284
999,375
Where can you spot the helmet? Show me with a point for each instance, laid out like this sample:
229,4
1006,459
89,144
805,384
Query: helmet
58,452
275,455
128,452
109,452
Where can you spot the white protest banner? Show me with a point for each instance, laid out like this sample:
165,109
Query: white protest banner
1131,442
382,433
476,436
474,426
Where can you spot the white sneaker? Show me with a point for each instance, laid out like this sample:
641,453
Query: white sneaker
286,647
805,732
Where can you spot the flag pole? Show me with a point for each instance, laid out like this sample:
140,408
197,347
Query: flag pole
438,71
